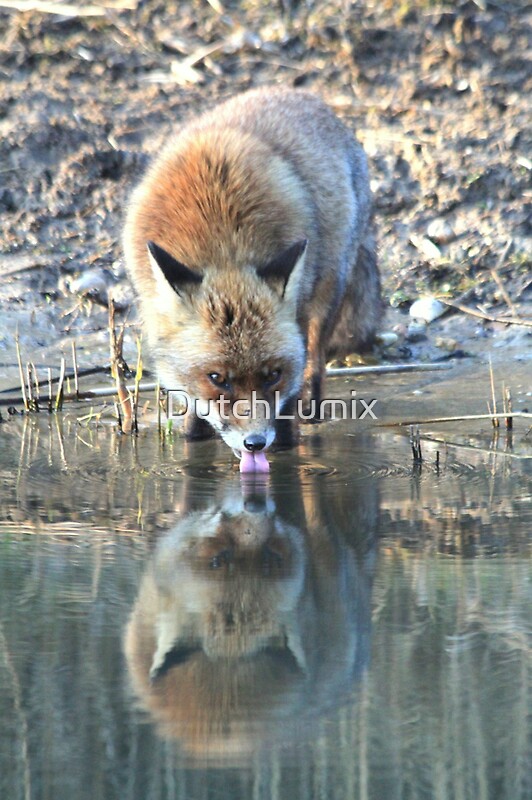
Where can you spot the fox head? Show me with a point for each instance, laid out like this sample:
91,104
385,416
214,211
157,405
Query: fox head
230,338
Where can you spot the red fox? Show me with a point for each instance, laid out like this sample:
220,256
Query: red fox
250,247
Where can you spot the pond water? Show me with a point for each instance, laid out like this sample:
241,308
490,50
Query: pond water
355,626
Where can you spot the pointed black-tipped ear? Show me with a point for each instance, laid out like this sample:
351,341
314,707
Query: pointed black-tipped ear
180,277
278,270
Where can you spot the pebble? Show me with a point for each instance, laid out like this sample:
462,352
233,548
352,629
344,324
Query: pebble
89,282
387,338
427,309
446,343
440,231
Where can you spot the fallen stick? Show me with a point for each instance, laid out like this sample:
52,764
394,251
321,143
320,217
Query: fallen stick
490,317
88,394
460,418
377,369
82,373
67,9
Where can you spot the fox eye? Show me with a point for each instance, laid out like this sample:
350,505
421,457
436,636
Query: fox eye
218,380
272,377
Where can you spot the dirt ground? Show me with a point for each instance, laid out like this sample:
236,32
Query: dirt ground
439,94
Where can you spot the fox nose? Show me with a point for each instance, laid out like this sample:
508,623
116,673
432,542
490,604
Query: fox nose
255,442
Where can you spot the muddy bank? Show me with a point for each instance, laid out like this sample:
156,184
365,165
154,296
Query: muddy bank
439,96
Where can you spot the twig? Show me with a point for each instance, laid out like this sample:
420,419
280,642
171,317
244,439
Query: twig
21,373
138,376
75,367
60,387
490,317
507,400
494,419
461,418
159,410
333,372
89,394
83,373
31,402
415,442
68,9
35,384
50,402
475,447
118,368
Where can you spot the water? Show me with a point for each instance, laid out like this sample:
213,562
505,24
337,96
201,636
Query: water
355,627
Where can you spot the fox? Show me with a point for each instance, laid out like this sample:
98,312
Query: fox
250,244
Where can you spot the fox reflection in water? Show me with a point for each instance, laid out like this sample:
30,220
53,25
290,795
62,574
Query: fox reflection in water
250,621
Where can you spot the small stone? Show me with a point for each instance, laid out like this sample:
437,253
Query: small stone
90,282
400,330
440,231
446,343
387,338
426,247
427,309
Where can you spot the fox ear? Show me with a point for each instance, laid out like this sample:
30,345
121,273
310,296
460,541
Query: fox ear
180,277
279,270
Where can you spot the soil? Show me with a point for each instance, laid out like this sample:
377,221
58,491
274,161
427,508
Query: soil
439,94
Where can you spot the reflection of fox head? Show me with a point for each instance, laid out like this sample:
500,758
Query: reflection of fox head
233,630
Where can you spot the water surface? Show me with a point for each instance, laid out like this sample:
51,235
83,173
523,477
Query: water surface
357,626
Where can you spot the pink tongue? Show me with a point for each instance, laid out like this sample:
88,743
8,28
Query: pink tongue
254,462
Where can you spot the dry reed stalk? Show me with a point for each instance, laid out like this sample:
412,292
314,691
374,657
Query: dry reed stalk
494,420
60,386
138,377
415,443
75,367
118,371
21,373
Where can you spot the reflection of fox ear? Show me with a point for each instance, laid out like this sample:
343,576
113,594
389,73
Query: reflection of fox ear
294,643
279,270
180,277
178,654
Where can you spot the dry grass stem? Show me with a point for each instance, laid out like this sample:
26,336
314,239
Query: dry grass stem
138,377
21,373
493,408
60,386
118,368
507,401
75,366
415,443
